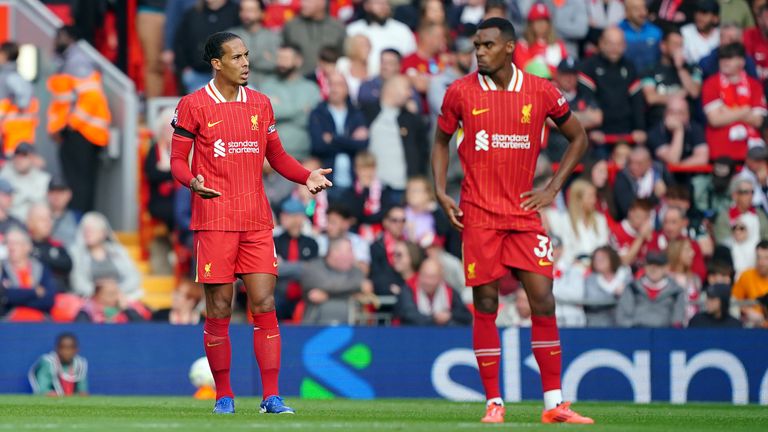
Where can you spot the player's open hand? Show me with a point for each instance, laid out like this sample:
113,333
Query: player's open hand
451,210
197,185
537,200
317,180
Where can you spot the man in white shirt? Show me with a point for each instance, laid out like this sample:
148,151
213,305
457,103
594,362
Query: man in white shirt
701,36
383,32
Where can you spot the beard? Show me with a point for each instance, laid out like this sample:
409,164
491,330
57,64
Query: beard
284,73
375,19
60,48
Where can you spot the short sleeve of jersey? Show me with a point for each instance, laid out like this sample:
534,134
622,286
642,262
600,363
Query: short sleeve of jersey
758,97
272,126
710,95
450,113
185,116
557,105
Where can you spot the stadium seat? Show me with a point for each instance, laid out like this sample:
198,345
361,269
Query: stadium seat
66,307
25,314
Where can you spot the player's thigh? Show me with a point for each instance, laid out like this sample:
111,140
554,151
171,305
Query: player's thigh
539,290
529,251
481,253
215,256
256,253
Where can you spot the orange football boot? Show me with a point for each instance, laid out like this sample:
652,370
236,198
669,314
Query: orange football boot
563,414
494,413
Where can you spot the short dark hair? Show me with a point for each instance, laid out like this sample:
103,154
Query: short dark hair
393,51
391,208
497,4
329,54
340,210
213,46
731,50
10,49
504,26
293,47
64,336
642,204
762,245
671,30
680,192
719,267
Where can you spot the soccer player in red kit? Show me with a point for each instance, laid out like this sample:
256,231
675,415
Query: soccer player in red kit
500,113
233,130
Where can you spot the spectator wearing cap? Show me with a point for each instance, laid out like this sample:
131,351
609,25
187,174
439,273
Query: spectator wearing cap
539,51
428,300
292,248
737,12
710,191
654,299
612,78
716,310
338,132
7,221
729,34
570,20
583,105
28,181
676,139
312,30
670,77
65,220
741,216
734,105
49,251
752,285
383,31
756,42
642,178
642,36
604,286
702,35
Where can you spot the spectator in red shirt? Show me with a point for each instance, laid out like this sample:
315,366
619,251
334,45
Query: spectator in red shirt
425,62
734,105
539,51
756,42
673,227
630,235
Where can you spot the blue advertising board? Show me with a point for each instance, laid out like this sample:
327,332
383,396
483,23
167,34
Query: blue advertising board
365,362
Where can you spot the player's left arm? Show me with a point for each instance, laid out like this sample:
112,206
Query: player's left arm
572,129
288,167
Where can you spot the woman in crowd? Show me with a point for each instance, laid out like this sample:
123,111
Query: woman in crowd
681,254
354,65
97,255
585,228
604,286
539,51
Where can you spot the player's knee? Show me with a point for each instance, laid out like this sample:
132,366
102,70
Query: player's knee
542,304
487,305
219,308
263,304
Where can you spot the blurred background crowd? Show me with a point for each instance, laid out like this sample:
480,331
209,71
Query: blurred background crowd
664,223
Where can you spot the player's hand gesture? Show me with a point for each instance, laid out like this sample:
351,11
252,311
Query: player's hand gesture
197,185
317,180
537,200
451,209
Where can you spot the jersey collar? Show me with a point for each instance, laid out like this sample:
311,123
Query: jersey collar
214,93
515,84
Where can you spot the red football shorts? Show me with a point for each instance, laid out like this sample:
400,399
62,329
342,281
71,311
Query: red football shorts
223,255
489,253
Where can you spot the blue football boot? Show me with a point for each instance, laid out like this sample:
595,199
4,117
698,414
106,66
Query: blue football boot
275,405
225,405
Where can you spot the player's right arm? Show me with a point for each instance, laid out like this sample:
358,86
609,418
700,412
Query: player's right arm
185,128
447,123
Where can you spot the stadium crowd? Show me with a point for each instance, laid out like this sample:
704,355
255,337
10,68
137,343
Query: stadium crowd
665,225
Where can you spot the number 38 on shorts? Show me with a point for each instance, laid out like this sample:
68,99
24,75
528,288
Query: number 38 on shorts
544,249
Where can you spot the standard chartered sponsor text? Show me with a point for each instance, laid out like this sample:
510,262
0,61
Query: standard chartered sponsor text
505,141
237,147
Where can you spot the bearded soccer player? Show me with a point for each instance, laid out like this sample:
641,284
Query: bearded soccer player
233,129
500,113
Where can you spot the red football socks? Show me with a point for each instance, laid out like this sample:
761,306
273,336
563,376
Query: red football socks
487,346
266,347
219,352
545,343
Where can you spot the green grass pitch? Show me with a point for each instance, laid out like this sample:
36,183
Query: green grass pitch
97,413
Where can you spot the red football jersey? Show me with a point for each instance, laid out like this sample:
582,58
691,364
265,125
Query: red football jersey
756,46
500,134
230,144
